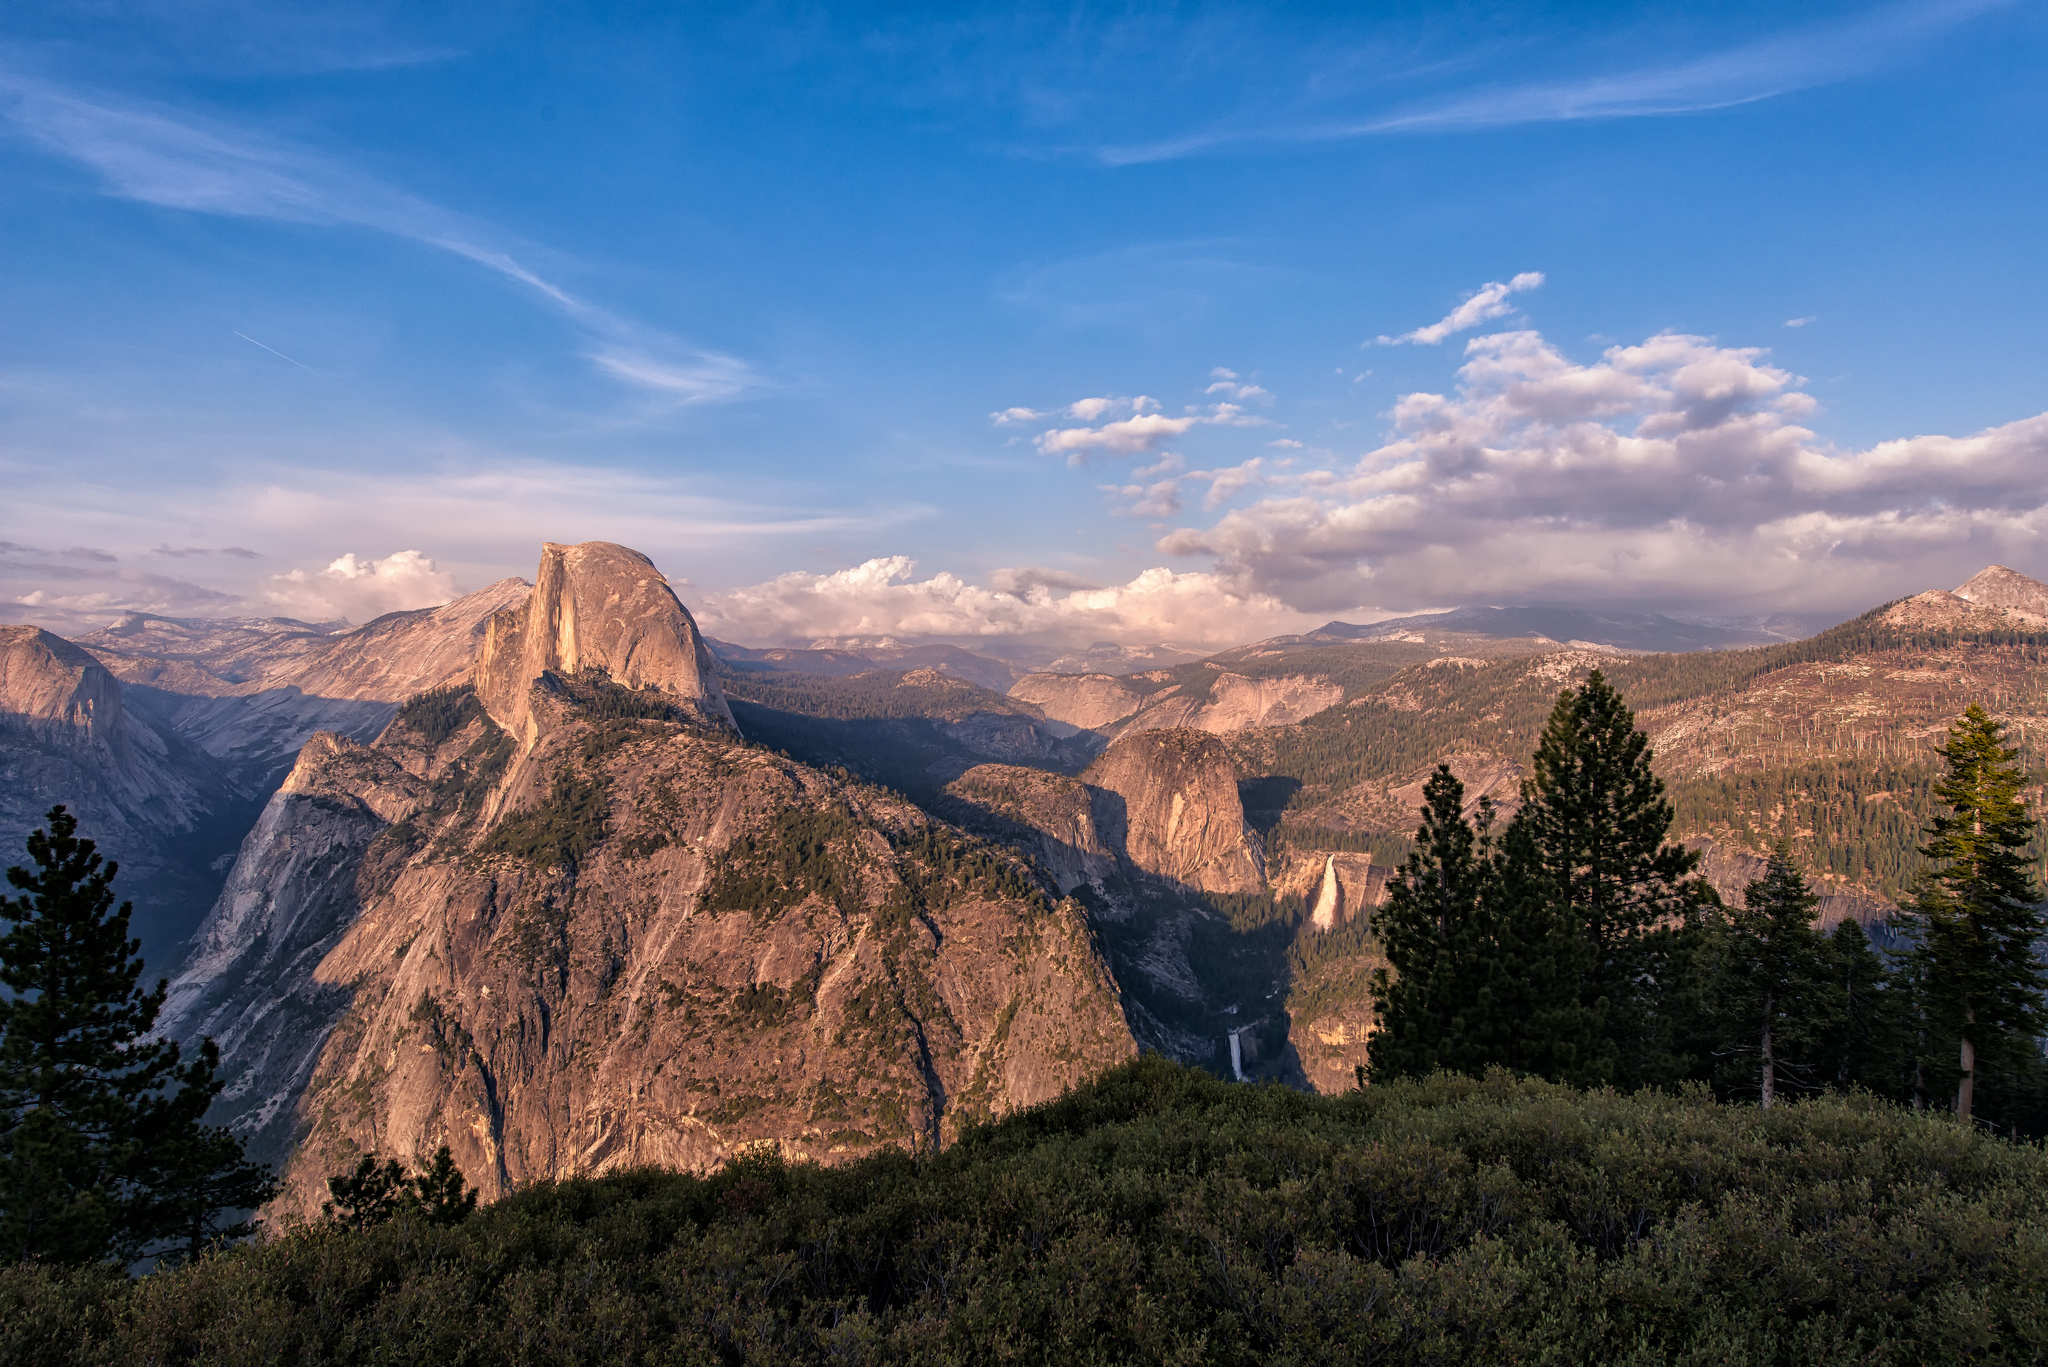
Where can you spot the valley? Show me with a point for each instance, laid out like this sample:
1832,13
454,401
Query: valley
548,877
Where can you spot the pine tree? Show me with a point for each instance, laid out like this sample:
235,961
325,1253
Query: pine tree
1594,819
102,1156
1432,1008
1867,1046
1976,920
375,1192
1775,989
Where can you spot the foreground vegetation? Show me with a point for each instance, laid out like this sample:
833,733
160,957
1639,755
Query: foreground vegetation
1158,1215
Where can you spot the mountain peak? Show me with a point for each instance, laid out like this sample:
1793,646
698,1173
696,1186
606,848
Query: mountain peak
1995,586
596,606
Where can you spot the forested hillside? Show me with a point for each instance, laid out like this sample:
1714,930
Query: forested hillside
1827,742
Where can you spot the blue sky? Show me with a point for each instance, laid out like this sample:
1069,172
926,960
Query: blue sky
332,310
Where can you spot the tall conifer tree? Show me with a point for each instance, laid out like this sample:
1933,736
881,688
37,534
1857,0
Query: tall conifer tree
1434,1007
1775,990
1594,821
102,1154
1976,921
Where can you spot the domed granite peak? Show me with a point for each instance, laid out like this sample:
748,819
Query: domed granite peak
596,606
56,690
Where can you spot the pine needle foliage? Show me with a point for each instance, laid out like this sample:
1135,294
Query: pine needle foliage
103,1153
1978,923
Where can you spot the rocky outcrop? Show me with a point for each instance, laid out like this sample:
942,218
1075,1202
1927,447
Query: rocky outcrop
1237,703
1994,599
1221,703
1995,586
249,981
67,736
596,606
251,692
1089,701
52,690
627,937
1044,816
1172,807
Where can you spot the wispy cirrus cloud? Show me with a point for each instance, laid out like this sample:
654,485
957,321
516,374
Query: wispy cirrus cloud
1798,59
178,160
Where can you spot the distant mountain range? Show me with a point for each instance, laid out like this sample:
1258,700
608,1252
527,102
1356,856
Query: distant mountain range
1577,627
544,874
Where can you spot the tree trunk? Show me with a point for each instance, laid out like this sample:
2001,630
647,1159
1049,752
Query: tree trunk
1770,1068
1966,1090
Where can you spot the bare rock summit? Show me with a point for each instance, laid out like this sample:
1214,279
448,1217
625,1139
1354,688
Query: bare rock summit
1175,810
596,606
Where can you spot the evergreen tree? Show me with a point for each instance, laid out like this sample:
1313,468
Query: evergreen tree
1867,1046
1775,991
1594,820
375,1192
1433,1008
1976,920
101,1152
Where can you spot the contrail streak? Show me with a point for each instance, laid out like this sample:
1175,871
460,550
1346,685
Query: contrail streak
275,352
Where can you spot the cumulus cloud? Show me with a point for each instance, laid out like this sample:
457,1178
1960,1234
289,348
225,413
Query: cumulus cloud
1158,499
1488,303
882,597
1801,322
360,589
1009,417
1143,431
1673,473
1124,437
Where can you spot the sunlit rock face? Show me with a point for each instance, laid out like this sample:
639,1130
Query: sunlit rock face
597,606
619,934
1174,810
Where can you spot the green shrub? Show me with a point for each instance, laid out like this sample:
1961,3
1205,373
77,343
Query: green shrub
1159,1216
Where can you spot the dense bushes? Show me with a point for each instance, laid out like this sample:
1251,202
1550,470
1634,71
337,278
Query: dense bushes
1160,1216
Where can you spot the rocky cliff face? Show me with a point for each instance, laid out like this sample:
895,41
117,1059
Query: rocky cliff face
1093,702
600,607
1175,811
251,692
1236,703
1044,816
1224,704
66,735
625,936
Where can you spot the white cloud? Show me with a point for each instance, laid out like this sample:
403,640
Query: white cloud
1125,437
361,589
1251,393
1673,473
1800,322
1225,485
1009,417
1142,431
1489,302
882,598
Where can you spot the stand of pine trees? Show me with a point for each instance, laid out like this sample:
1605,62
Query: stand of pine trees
104,1156
1576,944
